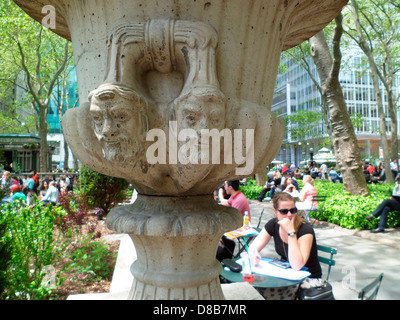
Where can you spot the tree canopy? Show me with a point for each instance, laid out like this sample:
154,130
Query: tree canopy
32,59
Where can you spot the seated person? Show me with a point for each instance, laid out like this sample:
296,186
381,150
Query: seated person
225,248
31,183
6,182
237,199
17,194
388,205
297,173
291,186
334,176
314,172
273,181
29,195
51,194
274,190
221,193
293,238
367,176
43,189
379,176
307,194
267,187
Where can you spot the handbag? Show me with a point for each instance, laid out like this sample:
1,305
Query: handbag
322,292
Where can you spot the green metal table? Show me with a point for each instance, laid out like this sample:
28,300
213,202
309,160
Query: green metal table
271,288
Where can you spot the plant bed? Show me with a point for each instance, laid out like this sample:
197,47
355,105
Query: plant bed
46,254
74,280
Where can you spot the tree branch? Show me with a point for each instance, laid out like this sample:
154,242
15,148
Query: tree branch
28,77
59,71
337,55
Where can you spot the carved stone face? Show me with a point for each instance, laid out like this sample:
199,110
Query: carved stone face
118,121
201,113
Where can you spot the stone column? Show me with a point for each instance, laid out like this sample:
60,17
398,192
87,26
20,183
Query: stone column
175,97
175,240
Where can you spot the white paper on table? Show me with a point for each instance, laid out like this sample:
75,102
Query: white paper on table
268,269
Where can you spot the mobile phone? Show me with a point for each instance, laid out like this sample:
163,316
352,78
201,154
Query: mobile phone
232,265
280,264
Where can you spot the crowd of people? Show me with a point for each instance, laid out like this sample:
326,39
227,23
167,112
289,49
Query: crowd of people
277,176
26,187
377,174
284,179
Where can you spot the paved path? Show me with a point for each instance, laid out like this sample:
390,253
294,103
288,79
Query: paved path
361,256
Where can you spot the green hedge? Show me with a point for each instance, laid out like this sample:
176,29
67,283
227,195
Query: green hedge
342,208
350,211
251,190
102,191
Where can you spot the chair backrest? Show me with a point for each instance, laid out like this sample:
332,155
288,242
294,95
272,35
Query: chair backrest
319,198
374,286
329,261
259,220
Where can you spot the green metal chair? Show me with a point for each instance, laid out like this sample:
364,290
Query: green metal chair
329,261
374,286
306,215
259,221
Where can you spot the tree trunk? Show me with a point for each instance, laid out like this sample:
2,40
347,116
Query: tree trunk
344,139
44,162
76,163
394,127
66,155
261,177
375,80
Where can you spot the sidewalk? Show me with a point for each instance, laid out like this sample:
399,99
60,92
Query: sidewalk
361,256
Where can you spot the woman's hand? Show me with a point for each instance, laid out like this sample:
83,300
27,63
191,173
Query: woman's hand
287,224
255,256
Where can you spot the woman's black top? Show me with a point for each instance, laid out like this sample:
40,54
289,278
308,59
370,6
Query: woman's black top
272,227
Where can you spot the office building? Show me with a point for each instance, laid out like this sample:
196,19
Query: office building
296,91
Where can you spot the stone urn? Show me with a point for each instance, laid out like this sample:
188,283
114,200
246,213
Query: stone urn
175,97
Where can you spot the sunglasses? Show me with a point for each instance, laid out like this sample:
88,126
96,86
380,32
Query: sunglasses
286,211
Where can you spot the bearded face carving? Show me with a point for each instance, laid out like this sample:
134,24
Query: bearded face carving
120,121
160,72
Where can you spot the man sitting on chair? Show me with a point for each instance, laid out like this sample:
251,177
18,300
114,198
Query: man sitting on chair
237,200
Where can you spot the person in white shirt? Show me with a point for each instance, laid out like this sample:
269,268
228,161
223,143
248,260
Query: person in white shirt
51,194
393,167
324,171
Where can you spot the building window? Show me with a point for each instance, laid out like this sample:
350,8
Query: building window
25,160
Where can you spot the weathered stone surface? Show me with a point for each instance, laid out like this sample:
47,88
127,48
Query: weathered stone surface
165,57
156,80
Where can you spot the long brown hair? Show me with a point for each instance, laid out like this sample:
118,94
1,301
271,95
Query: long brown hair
283,196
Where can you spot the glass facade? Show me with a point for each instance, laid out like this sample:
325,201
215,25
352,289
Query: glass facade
66,96
296,91
69,95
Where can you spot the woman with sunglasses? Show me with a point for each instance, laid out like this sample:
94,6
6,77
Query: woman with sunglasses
294,238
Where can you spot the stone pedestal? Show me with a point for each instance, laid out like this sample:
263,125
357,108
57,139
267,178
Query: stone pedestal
176,241
175,97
